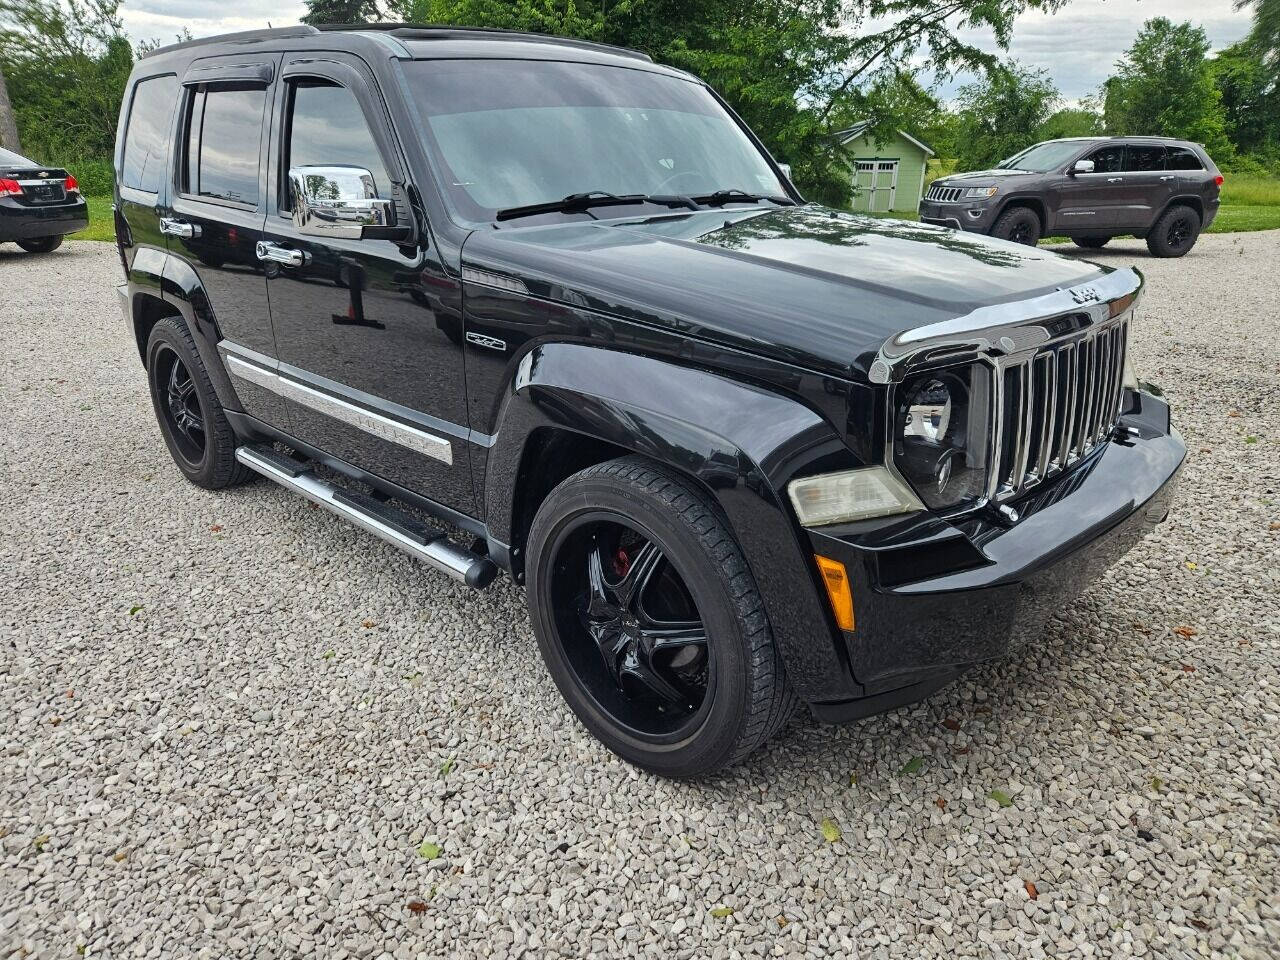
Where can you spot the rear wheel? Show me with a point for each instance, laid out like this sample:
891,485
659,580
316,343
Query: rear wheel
1019,224
1091,243
1175,232
650,622
195,429
41,244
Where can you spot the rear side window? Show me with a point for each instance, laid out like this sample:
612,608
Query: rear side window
327,128
1180,158
1143,159
146,138
224,139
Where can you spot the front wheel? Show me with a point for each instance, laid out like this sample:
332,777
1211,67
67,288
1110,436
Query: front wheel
41,244
1020,224
1175,232
650,622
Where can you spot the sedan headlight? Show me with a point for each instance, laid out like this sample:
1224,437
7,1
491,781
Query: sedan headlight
942,434
981,193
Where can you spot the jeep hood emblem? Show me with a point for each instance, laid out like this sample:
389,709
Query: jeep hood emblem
1086,295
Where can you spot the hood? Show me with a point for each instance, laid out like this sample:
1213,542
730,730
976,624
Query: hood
813,287
972,176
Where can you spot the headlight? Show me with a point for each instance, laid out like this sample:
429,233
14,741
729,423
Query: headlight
980,193
942,434
850,495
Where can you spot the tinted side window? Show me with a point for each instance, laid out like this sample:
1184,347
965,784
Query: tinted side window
1143,159
327,128
1108,160
223,144
146,140
1180,158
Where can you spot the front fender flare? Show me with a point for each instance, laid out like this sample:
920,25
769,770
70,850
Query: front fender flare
741,442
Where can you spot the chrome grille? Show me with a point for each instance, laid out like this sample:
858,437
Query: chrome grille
1055,406
944,194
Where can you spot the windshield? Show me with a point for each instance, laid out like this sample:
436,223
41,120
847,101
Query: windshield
1043,157
10,159
508,133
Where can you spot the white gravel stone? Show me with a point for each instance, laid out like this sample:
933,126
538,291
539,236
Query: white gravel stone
201,778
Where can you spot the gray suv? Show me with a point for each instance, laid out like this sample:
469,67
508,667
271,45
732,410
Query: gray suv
1089,189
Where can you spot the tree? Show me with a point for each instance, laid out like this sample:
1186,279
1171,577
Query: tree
1082,121
795,70
1164,87
1265,36
341,11
1250,98
66,65
1002,115
9,138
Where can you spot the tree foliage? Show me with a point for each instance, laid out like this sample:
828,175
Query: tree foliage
66,64
1164,86
796,70
1001,116
1250,99
341,11
1264,39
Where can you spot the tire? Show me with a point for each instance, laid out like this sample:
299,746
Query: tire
1019,225
207,456
744,698
1175,232
1091,243
41,244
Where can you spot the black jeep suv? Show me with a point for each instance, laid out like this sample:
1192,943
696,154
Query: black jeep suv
38,204
1090,189
742,450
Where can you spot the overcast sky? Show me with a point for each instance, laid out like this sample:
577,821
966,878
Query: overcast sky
1078,46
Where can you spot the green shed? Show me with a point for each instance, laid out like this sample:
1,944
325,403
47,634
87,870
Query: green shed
887,176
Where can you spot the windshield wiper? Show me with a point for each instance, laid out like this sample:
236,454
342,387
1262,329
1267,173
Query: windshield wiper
734,195
581,202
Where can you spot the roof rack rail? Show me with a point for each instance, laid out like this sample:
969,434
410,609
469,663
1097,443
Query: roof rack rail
434,31
241,36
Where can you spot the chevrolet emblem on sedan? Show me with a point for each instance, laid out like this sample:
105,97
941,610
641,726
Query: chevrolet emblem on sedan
546,309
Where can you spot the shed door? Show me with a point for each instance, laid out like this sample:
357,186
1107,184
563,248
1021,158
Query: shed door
876,182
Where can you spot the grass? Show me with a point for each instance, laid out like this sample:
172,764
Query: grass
1248,203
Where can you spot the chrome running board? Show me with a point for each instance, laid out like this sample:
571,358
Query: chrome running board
396,527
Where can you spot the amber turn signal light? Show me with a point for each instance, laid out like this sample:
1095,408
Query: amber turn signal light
836,581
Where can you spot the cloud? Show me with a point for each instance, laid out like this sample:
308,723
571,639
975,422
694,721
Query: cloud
164,19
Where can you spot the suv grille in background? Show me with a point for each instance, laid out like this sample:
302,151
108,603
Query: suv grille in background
944,194
1057,406
43,191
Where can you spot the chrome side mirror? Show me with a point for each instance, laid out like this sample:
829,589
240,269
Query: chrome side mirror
1083,166
337,202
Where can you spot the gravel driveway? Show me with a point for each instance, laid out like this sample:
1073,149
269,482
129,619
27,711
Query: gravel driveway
233,726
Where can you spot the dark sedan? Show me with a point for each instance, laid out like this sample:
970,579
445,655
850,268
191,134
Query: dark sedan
38,205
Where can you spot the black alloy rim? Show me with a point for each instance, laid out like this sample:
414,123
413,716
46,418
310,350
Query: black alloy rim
1022,233
1179,232
630,630
180,405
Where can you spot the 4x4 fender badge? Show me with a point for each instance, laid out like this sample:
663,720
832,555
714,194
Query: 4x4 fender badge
375,424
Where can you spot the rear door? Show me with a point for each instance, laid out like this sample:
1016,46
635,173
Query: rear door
215,218
1148,186
369,330
1089,201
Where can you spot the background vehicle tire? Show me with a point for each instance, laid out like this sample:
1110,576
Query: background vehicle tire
1019,224
1175,232
199,438
41,244
1091,243
626,551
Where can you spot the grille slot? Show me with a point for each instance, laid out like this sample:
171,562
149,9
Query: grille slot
944,194
1055,406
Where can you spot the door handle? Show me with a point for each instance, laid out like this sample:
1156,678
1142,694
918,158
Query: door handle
1115,179
1168,178
179,228
278,254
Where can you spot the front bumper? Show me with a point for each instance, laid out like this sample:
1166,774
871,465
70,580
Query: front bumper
976,216
934,598
29,221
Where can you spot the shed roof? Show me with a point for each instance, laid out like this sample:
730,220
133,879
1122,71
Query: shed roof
860,128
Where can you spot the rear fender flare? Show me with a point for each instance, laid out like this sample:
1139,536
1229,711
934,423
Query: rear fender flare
740,442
